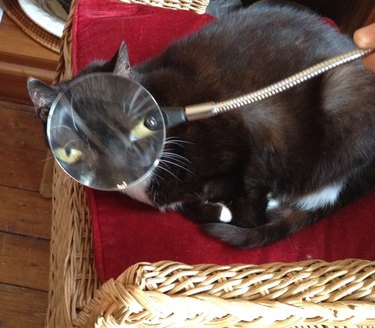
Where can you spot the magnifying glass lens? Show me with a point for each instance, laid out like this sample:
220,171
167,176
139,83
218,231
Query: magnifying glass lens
90,131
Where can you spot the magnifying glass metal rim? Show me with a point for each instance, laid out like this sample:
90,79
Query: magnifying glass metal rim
122,185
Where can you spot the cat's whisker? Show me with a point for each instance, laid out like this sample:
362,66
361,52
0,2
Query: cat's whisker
177,157
180,165
163,160
177,161
133,108
136,106
69,142
167,152
60,127
154,174
45,159
72,113
166,170
176,141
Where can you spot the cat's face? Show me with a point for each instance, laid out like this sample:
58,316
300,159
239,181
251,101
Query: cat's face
89,122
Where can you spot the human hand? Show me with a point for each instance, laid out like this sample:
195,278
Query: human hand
365,38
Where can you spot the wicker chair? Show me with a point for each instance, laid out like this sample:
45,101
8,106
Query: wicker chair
169,294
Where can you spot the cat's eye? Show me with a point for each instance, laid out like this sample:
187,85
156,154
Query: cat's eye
68,155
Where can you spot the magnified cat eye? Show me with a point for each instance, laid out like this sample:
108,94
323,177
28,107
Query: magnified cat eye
108,133
92,131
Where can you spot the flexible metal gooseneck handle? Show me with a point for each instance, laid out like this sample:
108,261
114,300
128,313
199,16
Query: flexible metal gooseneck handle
209,109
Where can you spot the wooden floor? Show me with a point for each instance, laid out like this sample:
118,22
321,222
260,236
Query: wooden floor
25,219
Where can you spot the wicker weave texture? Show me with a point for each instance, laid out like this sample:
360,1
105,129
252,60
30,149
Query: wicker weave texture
169,294
198,6
13,9
72,279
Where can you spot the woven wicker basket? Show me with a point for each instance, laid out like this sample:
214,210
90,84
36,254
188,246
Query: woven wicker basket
168,294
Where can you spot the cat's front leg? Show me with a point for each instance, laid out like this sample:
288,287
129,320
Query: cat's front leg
249,204
248,211
241,204
205,211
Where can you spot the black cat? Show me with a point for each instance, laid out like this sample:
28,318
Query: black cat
255,175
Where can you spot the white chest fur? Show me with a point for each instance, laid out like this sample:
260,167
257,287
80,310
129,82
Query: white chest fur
138,192
321,198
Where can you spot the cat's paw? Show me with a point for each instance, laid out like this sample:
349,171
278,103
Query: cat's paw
205,212
225,214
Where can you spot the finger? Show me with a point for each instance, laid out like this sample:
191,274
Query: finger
365,37
369,62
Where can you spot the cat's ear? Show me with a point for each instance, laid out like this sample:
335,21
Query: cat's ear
42,96
122,66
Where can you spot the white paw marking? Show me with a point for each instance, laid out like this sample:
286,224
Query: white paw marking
225,214
320,198
272,204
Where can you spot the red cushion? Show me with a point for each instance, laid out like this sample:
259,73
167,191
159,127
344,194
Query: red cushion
126,232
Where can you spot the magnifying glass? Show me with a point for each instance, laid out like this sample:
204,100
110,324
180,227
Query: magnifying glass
108,133
89,130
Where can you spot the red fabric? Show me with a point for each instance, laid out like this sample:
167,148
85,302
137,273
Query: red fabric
99,26
126,232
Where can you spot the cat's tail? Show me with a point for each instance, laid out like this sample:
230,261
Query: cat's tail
281,223
285,220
